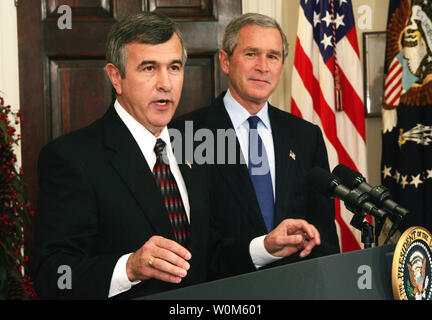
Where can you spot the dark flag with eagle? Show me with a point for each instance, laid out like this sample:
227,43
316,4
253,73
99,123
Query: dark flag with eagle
407,110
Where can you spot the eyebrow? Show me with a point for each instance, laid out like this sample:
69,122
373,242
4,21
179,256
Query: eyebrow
274,52
154,62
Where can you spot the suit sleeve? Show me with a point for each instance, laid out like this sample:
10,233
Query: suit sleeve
66,228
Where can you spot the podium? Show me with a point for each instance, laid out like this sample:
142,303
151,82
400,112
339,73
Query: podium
363,274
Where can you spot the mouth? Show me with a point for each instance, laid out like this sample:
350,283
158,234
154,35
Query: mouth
162,104
263,81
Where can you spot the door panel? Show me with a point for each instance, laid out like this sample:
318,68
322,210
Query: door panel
199,70
71,111
81,9
185,9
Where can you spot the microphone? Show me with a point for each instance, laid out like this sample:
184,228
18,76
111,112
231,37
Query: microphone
379,195
355,200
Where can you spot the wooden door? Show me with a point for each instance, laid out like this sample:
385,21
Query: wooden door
63,85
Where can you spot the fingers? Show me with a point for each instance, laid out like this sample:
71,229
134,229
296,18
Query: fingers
299,226
288,240
311,238
159,258
162,270
291,236
307,247
170,246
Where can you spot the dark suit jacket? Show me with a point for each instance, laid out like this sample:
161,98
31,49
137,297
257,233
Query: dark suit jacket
98,201
235,214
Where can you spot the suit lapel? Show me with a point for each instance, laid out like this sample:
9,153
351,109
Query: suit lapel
130,164
283,141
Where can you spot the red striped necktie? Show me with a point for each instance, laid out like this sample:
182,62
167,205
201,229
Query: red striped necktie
171,195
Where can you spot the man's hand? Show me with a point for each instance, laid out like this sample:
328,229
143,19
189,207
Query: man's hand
159,258
290,236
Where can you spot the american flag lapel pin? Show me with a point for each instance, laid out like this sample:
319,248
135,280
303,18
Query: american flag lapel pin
292,155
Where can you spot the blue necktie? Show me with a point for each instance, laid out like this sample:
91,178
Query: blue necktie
259,171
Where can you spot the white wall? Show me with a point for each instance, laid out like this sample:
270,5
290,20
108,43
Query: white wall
373,125
9,81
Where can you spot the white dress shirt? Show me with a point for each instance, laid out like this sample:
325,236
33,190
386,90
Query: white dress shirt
239,117
146,142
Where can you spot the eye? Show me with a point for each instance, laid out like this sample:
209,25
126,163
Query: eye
175,67
250,54
149,68
273,57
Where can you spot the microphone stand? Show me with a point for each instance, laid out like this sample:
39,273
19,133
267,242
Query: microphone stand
379,223
367,234
395,226
367,230
353,202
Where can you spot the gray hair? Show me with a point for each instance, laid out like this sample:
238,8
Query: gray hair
143,27
232,30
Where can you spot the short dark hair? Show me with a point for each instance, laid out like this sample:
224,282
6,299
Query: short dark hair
232,30
143,27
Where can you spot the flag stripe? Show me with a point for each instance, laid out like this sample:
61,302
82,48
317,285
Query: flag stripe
352,38
395,100
394,89
394,78
354,103
347,60
393,65
321,106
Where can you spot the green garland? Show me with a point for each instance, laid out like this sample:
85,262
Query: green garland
15,214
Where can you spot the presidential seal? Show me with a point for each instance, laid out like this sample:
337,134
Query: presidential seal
412,265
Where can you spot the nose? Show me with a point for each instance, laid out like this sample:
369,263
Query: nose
164,81
262,64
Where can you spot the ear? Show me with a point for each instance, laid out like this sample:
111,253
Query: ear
224,61
115,77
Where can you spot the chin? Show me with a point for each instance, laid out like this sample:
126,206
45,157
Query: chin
259,98
261,93
162,120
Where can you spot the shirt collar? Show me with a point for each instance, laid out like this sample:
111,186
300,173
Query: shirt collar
239,115
144,138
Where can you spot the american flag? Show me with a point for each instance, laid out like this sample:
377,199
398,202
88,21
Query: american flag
327,89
